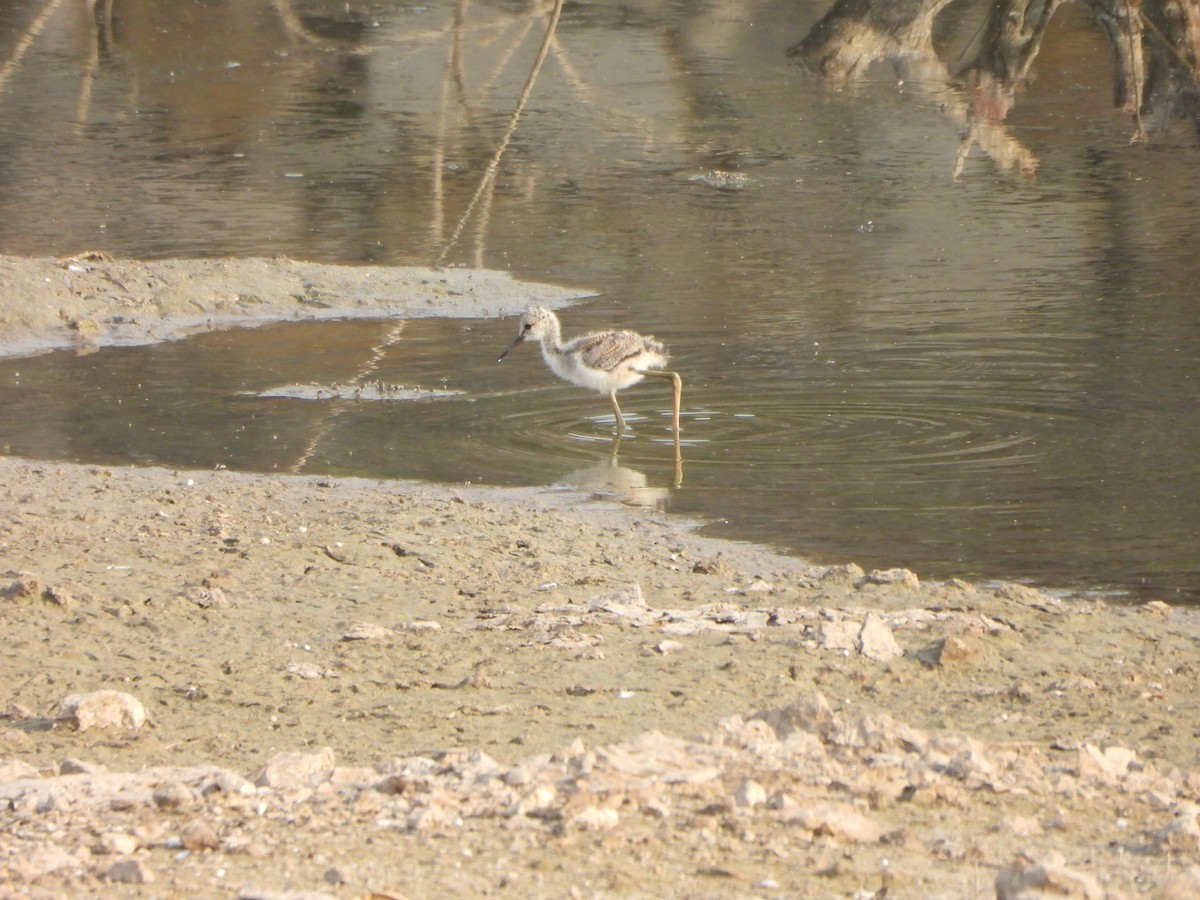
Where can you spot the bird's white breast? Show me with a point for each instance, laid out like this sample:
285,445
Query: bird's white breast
568,367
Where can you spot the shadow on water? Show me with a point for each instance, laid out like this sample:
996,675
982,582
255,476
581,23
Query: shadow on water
930,311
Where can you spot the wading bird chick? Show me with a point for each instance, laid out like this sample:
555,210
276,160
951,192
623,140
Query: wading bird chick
604,361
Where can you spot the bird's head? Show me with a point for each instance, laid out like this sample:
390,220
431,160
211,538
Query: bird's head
536,323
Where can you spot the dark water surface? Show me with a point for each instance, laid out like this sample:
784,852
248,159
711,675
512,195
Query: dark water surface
991,375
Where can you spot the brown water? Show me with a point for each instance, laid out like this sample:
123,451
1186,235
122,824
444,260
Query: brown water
987,376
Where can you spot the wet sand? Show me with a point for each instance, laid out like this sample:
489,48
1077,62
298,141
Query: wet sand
358,688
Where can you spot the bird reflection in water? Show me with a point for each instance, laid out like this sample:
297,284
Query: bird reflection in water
608,479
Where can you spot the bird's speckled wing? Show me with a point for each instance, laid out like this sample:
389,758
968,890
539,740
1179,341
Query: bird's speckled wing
605,350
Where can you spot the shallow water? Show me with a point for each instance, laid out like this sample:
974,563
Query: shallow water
991,376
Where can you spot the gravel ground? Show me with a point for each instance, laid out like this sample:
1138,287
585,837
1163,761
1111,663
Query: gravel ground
228,685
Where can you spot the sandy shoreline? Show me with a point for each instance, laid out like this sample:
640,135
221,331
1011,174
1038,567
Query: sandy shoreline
91,300
510,692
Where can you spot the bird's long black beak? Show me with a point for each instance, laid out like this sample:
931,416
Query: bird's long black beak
520,337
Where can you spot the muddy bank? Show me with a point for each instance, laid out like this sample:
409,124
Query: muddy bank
92,300
339,686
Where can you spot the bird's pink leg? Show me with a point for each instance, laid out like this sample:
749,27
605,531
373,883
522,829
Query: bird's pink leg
676,393
612,395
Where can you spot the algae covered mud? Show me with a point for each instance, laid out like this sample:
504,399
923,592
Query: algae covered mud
221,684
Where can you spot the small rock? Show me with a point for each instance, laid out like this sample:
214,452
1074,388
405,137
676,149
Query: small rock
710,567
838,820
227,783
1021,826
102,709
906,837
17,712
811,714
72,766
129,871
354,777
42,860
306,670
849,574
60,597
750,794
839,635
174,796
875,640
1027,596
537,800
1110,765
23,588
477,679
902,577
665,648
89,327
432,820
393,784
199,835
16,769
368,631
955,651
421,625
1021,691
596,818
295,770
14,739
1066,744
1074,683
657,807
115,843
208,597
1029,880
628,603
30,588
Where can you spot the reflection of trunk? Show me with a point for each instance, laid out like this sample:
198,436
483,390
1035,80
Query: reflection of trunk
1011,38
1156,66
1156,48
856,33
1123,23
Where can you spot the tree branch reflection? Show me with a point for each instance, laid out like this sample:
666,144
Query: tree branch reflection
1155,44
